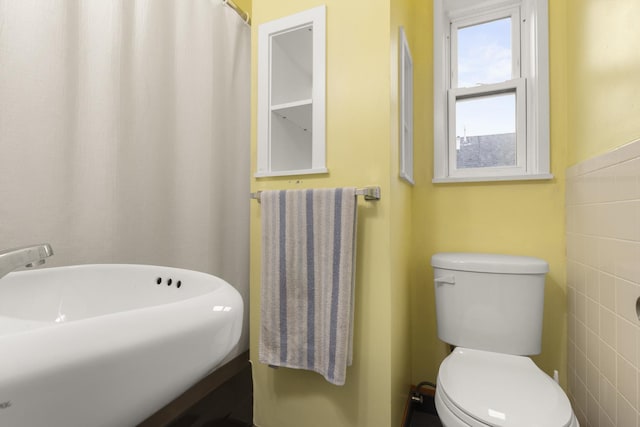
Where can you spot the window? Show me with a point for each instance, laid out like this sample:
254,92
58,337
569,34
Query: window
491,112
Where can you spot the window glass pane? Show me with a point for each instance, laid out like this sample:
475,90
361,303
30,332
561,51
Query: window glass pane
484,53
486,131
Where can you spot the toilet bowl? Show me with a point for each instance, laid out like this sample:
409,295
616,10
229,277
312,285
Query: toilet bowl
479,388
490,306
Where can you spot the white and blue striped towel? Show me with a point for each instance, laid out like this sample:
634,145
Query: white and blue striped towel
308,257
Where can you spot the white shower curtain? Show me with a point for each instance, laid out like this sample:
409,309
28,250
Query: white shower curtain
124,133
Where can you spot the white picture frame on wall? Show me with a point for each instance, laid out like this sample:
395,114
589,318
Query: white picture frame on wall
406,109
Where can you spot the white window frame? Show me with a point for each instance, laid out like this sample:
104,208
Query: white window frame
406,109
530,83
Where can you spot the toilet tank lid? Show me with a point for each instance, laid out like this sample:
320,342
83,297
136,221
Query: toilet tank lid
489,263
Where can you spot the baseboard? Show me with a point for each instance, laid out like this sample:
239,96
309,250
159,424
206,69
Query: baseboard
428,391
197,392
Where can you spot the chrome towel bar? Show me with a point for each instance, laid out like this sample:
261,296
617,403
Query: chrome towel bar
369,193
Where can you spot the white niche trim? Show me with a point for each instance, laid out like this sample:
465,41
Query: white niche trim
291,95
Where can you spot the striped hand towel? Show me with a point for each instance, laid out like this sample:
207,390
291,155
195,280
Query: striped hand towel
308,256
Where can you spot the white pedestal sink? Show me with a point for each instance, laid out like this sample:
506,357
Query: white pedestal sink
108,345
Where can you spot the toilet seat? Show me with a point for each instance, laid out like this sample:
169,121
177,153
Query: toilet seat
480,388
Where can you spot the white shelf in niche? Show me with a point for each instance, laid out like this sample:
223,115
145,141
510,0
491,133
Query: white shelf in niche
299,113
284,105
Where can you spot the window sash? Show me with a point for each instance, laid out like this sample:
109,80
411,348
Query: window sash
468,21
517,86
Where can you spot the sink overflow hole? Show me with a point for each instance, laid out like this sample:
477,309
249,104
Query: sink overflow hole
169,282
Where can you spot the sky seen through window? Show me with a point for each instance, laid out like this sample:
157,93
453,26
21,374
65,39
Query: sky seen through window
485,56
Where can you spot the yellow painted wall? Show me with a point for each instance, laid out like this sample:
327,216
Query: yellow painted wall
245,5
594,91
514,217
401,224
360,137
604,83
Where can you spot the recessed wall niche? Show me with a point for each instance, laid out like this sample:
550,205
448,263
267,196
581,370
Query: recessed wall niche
291,94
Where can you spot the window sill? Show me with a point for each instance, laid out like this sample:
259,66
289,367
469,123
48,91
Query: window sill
290,172
536,177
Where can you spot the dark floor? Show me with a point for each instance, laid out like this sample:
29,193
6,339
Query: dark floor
231,405
423,415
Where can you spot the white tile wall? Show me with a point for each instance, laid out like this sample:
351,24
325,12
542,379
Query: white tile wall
603,277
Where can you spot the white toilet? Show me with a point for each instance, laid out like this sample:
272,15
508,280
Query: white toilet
490,308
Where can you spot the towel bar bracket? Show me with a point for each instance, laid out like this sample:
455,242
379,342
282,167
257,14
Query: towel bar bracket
369,193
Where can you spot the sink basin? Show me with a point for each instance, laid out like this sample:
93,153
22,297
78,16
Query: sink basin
108,345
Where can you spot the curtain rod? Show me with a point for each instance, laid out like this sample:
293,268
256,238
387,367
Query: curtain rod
244,15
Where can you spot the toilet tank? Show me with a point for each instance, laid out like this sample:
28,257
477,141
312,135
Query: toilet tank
490,302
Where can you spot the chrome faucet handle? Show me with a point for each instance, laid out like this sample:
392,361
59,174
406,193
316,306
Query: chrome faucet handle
27,256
